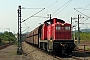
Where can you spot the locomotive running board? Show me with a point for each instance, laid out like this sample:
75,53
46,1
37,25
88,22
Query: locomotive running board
43,40
49,44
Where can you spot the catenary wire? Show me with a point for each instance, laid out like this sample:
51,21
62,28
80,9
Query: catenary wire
62,6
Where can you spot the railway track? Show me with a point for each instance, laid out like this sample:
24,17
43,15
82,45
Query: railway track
5,45
76,55
76,58
70,58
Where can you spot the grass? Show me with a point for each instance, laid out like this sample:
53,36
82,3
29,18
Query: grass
14,53
87,48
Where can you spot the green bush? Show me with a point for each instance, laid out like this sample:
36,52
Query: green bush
83,35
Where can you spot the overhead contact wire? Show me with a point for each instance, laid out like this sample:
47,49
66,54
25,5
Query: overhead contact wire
33,15
62,6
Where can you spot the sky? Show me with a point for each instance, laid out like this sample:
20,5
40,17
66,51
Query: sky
63,9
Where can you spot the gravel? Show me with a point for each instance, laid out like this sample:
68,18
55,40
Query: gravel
35,54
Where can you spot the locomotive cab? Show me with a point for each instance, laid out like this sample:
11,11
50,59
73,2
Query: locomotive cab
62,31
46,30
59,35
57,29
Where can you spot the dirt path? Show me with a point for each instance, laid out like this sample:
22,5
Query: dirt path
10,53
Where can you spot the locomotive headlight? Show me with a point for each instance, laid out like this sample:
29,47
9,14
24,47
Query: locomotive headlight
61,44
51,40
62,24
75,40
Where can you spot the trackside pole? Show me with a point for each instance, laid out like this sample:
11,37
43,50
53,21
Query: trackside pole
19,50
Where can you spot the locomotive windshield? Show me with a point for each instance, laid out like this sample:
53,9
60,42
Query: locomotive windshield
67,28
59,27
48,22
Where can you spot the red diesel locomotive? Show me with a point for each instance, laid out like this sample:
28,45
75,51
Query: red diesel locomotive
53,36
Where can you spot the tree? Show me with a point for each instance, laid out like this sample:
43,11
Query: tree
7,36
